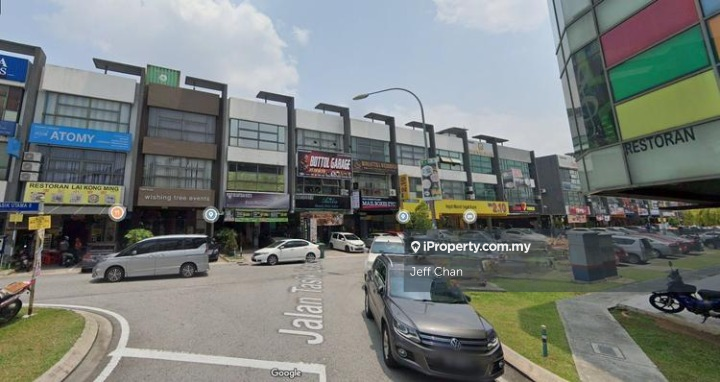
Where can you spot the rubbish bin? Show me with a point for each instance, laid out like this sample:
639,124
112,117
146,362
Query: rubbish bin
322,250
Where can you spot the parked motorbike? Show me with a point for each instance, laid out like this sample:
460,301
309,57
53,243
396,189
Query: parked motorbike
69,259
24,261
10,303
680,296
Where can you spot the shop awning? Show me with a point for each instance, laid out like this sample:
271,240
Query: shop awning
451,161
76,210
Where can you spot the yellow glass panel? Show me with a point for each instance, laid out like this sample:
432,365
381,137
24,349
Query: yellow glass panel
691,100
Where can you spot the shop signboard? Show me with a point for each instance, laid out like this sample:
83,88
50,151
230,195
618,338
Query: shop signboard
13,68
404,187
323,219
324,202
175,197
355,201
320,164
7,128
368,203
565,161
577,219
368,166
162,76
244,216
480,148
73,194
430,178
523,207
577,210
458,207
81,138
257,200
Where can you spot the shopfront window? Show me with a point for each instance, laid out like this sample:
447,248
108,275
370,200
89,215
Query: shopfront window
317,186
181,125
484,191
318,140
64,165
373,185
255,135
453,190
86,113
480,164
595,104
255,177
455,159
410,155
573,198
370,149
177,172
415,188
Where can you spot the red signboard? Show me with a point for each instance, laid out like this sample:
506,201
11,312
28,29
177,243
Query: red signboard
320,164
578,210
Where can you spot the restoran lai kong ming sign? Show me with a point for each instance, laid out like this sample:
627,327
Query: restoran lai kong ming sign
320,164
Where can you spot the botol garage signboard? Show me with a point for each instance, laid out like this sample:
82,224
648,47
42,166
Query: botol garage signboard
320,164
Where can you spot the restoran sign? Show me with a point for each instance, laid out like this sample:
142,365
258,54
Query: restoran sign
82,138
73,194
319,164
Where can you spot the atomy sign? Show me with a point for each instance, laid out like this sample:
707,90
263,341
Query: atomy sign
83,138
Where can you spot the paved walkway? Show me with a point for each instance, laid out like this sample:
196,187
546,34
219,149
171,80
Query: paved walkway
602,349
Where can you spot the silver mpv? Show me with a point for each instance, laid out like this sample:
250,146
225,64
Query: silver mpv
160,255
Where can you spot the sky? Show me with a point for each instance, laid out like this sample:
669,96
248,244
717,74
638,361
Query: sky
485,65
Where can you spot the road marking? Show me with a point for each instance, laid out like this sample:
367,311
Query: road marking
163,355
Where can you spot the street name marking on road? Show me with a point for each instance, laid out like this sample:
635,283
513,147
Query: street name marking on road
309,308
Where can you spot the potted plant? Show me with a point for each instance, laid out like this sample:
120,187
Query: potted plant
228,240
137,234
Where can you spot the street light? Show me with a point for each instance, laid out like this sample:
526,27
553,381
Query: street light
431,203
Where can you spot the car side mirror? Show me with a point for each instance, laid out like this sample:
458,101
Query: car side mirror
468,298
381,290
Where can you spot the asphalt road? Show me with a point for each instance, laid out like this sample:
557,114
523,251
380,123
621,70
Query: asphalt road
230,325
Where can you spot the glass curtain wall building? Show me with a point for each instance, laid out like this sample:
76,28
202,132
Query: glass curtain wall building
640,80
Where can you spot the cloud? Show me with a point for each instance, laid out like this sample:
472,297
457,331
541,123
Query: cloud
301,35
494,16
212,39
527,133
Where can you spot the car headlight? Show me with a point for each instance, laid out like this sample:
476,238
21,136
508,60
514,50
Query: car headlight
493,340
406,331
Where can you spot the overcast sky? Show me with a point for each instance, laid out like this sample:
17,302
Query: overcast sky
486,65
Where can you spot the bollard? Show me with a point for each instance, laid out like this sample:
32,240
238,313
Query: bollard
543,334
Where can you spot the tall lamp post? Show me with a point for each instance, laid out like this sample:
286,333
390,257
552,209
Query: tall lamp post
431,203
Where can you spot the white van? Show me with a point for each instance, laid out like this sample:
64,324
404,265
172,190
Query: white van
160,255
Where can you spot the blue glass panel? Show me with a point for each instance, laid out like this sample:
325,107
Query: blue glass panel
710,6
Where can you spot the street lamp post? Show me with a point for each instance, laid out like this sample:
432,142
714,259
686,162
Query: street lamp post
431,203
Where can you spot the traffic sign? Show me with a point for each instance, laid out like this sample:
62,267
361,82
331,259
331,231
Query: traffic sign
211,214
403,217
470,216
39,222
19,207
117,213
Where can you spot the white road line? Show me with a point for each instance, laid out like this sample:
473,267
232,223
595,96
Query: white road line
223,361
122,343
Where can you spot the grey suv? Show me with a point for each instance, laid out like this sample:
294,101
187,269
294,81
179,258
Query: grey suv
427,324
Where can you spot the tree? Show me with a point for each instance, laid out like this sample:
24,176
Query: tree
228,240
420,218
137,234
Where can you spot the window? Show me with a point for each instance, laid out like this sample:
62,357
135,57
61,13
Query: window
480,164
181,125
573,198
612,12
64,165
177,172
4,161
318,186
415,188
255,135
484,191
453,190
10,103
520,193
373,185
318,140
86,113
370,149
410,155
456,157
255,177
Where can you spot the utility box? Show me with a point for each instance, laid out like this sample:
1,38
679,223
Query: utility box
592,256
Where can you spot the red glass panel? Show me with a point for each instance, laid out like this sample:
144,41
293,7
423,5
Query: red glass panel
650,26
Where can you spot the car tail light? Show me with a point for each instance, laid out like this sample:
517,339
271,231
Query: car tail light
87,256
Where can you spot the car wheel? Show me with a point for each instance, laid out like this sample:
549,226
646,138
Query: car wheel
387,350
634,259
310,257
347,249
330,245
9,312
188,270
367,311
658,254
114,274
272,260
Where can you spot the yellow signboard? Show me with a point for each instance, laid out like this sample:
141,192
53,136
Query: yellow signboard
73,194
39,222
16,218
404,187
458,207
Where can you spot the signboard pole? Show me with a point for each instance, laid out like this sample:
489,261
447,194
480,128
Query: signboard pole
37,261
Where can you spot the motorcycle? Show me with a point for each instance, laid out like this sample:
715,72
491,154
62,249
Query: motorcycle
25,261
680,296
10,303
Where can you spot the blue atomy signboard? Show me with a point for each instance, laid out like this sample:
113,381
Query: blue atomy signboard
13,68
83,138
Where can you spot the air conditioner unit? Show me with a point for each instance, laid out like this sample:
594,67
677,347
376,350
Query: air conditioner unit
344,192
32,156
393,192
29,176
30,166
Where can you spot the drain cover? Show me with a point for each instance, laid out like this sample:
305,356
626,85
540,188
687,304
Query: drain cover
608,350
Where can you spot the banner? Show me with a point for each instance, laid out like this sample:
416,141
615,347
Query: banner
355,201
73,194
404,187
13,68
458,207
430,179
577,210
327,202
368,166
257,200
240,216
175,197
319,164
377,204
83,138
522,207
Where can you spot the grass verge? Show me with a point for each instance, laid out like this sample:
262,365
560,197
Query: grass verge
705,259
31,346
518,317
680,353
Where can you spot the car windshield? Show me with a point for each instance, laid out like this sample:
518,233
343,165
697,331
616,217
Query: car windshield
275,244
425,288
351,237
388,247
526,231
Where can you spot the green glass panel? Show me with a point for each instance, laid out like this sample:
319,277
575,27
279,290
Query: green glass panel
680,55
162,76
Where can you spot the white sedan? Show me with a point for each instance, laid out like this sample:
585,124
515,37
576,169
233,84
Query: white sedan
286,250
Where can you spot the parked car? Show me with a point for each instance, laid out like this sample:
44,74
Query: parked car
391,245
430,326
712,242
525,235
663,247
683,244
159,255
286,250
638,249
369,239
90,260
346,241
620,255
